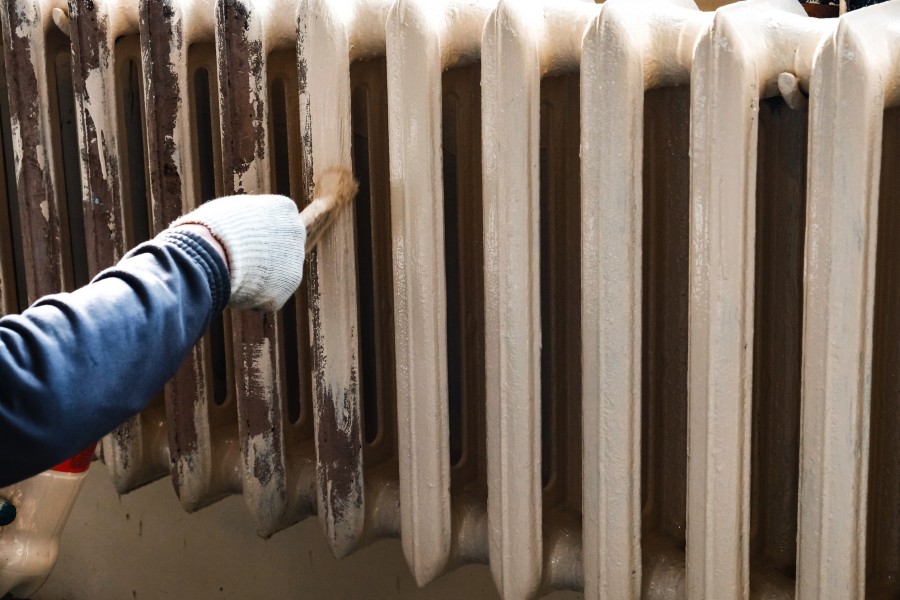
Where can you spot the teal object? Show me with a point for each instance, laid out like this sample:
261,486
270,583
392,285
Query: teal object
7,512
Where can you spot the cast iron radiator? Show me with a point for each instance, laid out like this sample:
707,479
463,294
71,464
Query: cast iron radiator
617,310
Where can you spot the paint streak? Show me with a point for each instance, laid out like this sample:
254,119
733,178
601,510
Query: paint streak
302,83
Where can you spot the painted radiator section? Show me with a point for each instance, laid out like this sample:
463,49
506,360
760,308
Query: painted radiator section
735,61
853,95
614,310
423,41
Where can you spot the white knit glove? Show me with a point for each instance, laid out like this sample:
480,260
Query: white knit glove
264,239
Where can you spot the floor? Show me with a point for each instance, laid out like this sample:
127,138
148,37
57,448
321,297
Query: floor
143,546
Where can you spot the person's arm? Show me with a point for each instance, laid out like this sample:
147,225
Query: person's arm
74,366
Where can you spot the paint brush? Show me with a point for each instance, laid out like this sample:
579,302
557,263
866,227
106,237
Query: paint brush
335,188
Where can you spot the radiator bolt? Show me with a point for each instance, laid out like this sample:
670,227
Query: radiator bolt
7,512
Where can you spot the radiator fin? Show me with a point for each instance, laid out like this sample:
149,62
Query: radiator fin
848,98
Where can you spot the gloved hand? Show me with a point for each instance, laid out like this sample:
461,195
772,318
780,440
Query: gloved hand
264,238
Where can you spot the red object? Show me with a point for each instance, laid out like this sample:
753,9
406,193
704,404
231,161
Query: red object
78,463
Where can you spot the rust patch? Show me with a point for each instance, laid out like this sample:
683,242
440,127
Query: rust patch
41,235
160,33
259,407
180,395
339,449
90,53
339,452
124,437
240,59
103,215
306,125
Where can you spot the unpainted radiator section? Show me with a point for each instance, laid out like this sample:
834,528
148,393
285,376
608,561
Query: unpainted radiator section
11,262
613,312
184,167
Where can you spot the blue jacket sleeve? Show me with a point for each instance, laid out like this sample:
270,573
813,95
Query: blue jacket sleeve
74,366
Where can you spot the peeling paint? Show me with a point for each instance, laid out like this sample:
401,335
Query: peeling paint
187,396
163,53
92,81
241,58
23,38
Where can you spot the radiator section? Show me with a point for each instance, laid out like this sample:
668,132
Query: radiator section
39,194
512,264
247,36
11,261
723,233
423,40
634,214
849,93
517,55
332,37
613,311
184,161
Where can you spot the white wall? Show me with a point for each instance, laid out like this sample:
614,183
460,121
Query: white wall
143,546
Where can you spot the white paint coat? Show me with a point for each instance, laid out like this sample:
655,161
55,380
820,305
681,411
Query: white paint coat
423,39
737,61
523,41
630,43
854,79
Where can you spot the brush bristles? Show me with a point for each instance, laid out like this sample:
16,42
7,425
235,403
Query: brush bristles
335,188
338,185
